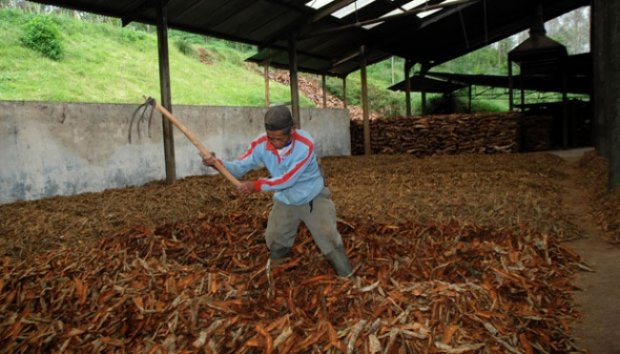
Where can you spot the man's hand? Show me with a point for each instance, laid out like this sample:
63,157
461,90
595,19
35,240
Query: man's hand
246,187
209,160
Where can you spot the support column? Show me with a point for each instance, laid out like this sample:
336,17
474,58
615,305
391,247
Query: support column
164,83
565,107
292,65
510,86
344,91
366,113
423,72
266,74
469,99
521,86
408,66
605,54
599,71
324,87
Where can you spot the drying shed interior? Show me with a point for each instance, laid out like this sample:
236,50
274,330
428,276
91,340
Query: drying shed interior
453,253
463,249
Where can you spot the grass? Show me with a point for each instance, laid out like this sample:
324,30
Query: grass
107,63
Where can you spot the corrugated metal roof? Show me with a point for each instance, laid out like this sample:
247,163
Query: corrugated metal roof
578,78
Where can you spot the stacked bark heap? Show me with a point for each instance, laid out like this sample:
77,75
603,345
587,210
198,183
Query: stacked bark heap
440,134
200,286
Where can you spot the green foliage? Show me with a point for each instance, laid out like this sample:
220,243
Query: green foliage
11,15
41,34
105,62
185,47
189,38
380,100
485,60
131,36
489,106
445,104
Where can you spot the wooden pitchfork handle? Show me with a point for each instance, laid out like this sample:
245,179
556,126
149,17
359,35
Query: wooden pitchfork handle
203,149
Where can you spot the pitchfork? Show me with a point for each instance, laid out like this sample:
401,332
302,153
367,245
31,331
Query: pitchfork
144,112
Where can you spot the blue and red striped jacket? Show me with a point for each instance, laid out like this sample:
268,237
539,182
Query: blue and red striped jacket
296,177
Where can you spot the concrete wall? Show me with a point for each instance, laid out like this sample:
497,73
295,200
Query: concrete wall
49,149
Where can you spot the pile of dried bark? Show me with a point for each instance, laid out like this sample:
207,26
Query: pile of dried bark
499,190
440,134
312,89
536,133
201,286
605,204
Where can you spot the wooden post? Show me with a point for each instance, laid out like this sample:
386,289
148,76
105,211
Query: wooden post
366,113
510,86
266,74
408,66
164,83
344,91
521,86
605,54
564,105
423,74
292,65
324,91
469,96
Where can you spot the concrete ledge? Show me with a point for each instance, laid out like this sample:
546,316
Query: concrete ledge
50,149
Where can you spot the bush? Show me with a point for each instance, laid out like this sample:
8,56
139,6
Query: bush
190,38
10,15
489,106
42,35
185,47
445,104
130,35
384,102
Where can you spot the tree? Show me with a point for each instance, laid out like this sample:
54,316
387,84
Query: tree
503,47
572,30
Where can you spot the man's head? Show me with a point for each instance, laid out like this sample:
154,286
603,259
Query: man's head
279,126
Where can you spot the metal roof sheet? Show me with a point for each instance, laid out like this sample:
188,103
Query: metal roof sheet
578,70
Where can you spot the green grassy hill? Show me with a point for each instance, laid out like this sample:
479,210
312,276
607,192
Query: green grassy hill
104,62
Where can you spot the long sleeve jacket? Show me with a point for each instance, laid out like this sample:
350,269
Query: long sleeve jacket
295,177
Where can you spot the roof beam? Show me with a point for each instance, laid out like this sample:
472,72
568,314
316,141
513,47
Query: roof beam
373,10
95,9
190,8
346,58
274,52
444,14
138,9
481,38
330,8
387,18
133,14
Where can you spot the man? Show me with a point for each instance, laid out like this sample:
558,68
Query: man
300,193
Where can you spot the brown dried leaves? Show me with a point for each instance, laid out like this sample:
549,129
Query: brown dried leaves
200,285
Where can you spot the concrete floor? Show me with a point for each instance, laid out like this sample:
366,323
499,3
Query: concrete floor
598,331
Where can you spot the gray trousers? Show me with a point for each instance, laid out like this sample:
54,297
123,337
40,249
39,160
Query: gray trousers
319,217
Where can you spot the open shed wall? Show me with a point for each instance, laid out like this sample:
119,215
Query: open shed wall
50,149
